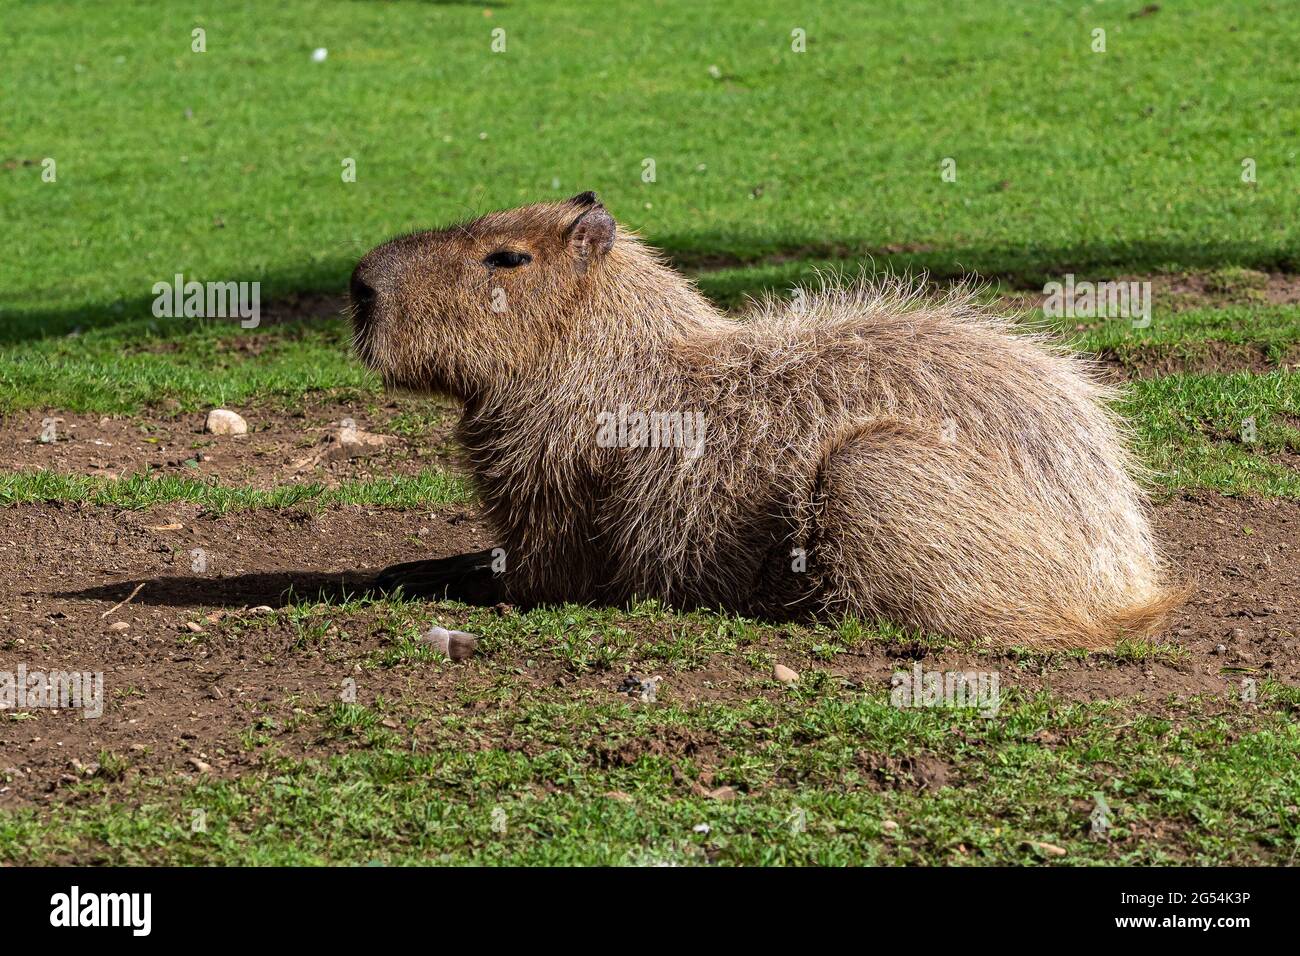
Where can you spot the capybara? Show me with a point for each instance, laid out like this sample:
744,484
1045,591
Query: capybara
863,449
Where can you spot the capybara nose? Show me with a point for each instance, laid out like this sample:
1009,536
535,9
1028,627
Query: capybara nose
363,298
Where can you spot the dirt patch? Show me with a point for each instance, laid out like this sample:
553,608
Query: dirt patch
1242,557
1172,291
1150,360
303,307
1228,287
198,669
1179,291
908,772
299,445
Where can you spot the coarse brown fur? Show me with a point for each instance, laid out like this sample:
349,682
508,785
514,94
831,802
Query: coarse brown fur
865,449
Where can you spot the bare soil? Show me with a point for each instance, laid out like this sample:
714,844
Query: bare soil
1207,357
1179,291
181,700
299,445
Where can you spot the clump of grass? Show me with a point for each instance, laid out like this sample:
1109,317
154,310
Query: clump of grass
1236,281
145,490
112,766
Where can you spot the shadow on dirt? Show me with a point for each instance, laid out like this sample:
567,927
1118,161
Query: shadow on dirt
465,578
275,589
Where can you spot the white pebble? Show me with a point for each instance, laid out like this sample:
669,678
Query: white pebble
457,645
222,421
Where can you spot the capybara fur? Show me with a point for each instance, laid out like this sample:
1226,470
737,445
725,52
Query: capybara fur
864,449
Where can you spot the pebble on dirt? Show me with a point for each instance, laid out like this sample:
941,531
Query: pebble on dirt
645,689
1048,849
344,443
119,626
457,645
785,675
222,421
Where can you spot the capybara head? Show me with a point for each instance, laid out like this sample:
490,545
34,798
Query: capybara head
456,310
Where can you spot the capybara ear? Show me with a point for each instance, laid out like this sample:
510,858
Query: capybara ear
592,233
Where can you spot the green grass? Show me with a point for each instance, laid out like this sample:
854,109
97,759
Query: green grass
198,365
1233,433
1065,157
801,766
1269,328
499,767
143,491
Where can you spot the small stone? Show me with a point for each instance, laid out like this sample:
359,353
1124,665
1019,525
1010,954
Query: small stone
390,723
194,626
1048,849
785,674
1220,648
119,626
649,690
888,826
723,793
262,609
457,645
353,436
222,421
703,828
199,765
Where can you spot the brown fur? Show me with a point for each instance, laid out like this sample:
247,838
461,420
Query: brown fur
938,467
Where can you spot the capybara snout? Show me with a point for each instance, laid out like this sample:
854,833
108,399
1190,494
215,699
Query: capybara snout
454,310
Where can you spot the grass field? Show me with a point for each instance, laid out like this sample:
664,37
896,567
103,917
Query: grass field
318,728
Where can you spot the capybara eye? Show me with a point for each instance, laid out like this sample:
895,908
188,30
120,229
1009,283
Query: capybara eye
507,259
